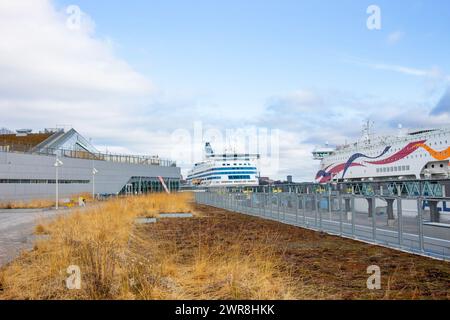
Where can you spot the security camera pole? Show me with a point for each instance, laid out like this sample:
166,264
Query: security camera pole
58,163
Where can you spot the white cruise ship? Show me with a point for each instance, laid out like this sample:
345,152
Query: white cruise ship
420,154
225,170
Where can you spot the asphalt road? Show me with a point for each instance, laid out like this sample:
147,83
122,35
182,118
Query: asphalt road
16,230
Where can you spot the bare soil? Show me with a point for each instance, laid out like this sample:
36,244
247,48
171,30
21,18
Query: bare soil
334,267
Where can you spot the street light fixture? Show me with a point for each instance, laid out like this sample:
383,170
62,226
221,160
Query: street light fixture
58,163
94,172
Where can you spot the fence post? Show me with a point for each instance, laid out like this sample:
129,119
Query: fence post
304,209
329,202
319,213
400,221
296,208
264,196
374,221
315,210
259,204
420,222
278,206
340,214
352,201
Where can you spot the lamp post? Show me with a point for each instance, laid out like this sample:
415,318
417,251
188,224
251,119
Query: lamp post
94,172
58,163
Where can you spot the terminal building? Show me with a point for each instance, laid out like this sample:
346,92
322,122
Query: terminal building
31,164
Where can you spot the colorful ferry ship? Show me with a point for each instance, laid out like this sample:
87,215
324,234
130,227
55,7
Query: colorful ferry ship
422,154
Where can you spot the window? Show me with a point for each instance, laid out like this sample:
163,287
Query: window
240,177
43,181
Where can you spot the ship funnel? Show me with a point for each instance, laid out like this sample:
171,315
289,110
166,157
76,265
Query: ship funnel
208,149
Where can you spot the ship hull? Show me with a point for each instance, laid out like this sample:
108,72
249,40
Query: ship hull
414,156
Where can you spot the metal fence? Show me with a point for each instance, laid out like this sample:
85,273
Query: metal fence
381,221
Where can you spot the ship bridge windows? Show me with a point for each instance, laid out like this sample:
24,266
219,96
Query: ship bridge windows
239,177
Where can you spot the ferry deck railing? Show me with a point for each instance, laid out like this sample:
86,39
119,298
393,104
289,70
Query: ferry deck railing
118,158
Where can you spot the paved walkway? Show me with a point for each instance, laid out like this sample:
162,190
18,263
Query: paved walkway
16,230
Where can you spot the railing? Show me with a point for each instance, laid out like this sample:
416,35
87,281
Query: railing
391,225
403,188
133,159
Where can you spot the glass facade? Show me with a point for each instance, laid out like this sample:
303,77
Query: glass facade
144,185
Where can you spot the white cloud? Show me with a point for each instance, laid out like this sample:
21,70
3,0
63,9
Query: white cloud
338,120
434,78
433,72
297,101
55,75
395,37
40,57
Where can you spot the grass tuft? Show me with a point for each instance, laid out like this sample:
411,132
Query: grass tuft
95,239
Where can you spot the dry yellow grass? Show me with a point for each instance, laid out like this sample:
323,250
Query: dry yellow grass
215,255
96,240
41,203
118,260
40,229
33,204
167,271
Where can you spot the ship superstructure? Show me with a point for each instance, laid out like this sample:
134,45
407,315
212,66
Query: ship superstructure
421,154
224,170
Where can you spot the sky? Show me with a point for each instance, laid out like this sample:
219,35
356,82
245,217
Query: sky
162,77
